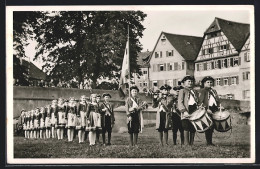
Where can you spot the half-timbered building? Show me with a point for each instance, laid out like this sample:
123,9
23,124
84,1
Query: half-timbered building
224,55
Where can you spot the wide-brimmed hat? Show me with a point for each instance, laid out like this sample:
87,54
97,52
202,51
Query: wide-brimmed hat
166,87
134,87
207,78
188,77
106,94
177,88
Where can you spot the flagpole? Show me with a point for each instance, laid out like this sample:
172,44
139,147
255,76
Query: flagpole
129,74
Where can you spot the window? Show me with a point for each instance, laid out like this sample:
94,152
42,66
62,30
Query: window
170,67
208,66
235,61
161,67
225,63
145,84
228,62
169,53
163,41
145,72
182,66
198,67
175,65
246,94
247,56
140,84
225,81
233,80
160,54
231,62
218,82
210,50
205,66
246,75
154,83
222,63
156,55
212,65
219,64
223,47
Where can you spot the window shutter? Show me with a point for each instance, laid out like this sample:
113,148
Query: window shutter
168,66
158,68
174,82
197,67
205,66
245,56
239,61
229,80
160,53
237,79
153,68
164,67
244,75
244,94
167,53
221,81
231,62
228,46
172,52
219,64
175,66
215,82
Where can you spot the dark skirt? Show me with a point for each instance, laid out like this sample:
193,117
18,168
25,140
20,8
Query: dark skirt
134,125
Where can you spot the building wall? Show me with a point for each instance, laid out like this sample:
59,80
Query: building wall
143,81
168,75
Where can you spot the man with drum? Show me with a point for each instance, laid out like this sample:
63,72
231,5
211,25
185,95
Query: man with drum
164,113
176,118
208,98
187,104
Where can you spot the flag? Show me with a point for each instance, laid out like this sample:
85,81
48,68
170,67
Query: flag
124,78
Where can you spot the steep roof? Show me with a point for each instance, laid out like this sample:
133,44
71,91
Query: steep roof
237,33
34,71
187,46
143,58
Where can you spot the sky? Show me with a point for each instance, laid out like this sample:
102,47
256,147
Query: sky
184,20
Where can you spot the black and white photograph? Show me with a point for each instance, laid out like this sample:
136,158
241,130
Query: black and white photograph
130,84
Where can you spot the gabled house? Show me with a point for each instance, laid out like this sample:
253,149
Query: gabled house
172,58
220,56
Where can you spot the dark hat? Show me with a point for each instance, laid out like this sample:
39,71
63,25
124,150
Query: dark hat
22,110
177,88
167,87
207,78
106,94
188,77
134,87
98,95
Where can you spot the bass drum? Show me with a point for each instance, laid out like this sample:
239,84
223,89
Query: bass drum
222,121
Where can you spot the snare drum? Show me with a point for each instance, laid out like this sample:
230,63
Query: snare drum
222,121
201,120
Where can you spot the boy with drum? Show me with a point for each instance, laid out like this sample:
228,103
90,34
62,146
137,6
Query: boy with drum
164,114
208,98
176,118
187,104
134,105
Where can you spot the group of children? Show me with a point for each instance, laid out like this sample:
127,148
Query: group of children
92,117
88,116
174,112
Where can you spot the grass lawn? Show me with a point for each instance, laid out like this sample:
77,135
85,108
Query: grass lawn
235,146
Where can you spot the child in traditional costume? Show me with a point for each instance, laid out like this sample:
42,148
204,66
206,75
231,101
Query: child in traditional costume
209,99
164,113
71,115
82,115
107,118
31,123
42,123
99,128
187,104
36,123
134,106
61,118
92,119
48,121
54,112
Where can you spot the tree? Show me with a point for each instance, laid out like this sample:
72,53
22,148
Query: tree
88,44
23,25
